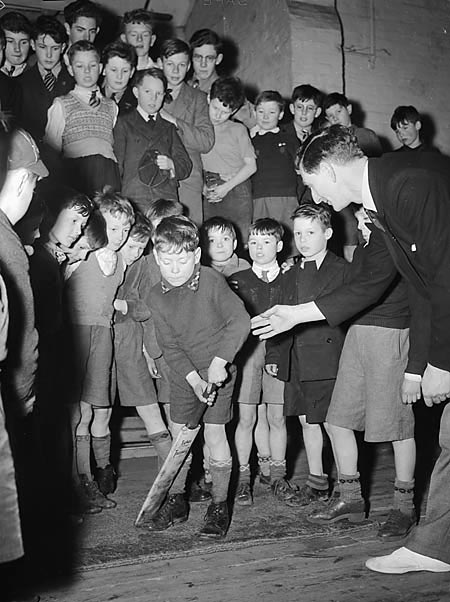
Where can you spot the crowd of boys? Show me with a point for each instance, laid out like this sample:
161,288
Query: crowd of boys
171,213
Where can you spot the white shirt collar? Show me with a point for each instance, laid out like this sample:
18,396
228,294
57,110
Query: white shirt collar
56,69
257,130
366,195
18,69
144,114
272,271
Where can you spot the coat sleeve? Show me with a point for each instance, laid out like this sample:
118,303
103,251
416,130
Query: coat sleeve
120,144
180,157
197,134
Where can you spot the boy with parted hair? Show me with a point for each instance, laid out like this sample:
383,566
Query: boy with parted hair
47,79
17,29
307,360
260,394
137,26
406,122
306,107
187,109
274,184
82,20
200,326
119,63
228,166
220,242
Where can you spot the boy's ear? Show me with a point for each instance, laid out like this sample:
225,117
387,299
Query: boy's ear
67,28
328,233
349,109
152,40
418,125
159,62
135,91
33,45
133,69
219,59
291,108
197,254
234,244
155,255
281,116
123,37
279,245
327,169
318,112
69,69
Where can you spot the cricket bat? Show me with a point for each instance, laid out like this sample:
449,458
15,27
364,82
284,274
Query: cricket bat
172,464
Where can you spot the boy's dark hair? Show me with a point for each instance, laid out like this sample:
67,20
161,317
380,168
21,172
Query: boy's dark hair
155,72
230,92
176,234
82,46
110,201
270,96
59,197
16,23
267,226
337,143
49,26
122,50
405,114
162,208
311,211
82,8
174,46
219,223
139,15
206,36
95,230
307,92
142,228
335,98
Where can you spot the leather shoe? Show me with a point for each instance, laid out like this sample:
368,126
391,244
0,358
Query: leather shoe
217,521
404,560
200,493
397,525
337,510
174,510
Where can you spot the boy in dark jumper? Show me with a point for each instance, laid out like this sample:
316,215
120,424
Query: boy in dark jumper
200,326
260,395
406,122
307,359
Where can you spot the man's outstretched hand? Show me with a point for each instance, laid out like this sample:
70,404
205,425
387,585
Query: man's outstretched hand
278,318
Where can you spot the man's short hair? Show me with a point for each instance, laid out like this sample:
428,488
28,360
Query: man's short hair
335,98
230,92
320,213
220,224
82,46
139,15
176,234
307,92
337,143
16,23
155,72
82,8
162,208
267,226
405,114
110,201
142,228
206,36
49,26
122,50
270,96
173,46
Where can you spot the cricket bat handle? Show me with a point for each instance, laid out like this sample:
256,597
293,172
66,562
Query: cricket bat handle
195,420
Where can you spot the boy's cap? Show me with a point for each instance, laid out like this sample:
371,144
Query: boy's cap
24,153
148,170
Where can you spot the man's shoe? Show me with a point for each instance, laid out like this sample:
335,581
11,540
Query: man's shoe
397,525
174,510
282,489
307,495
106,479
217,521
244,495
200,492
337,510
404,560
92,492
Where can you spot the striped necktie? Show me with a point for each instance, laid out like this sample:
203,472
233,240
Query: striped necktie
49,81
265,275
94,101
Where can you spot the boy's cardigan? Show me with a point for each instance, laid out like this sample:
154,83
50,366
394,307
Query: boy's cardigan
256,294
198,321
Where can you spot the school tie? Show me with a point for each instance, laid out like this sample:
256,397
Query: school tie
11,70
94,101
49,81
264,275
168,98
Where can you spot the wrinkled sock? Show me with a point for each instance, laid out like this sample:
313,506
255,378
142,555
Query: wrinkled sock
207,473
319,482
221,474
404,496
350,487
264,465
179,485
162,443
244,473
277,469
101,447
83,455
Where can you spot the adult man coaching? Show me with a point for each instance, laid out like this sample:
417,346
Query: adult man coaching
408,199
